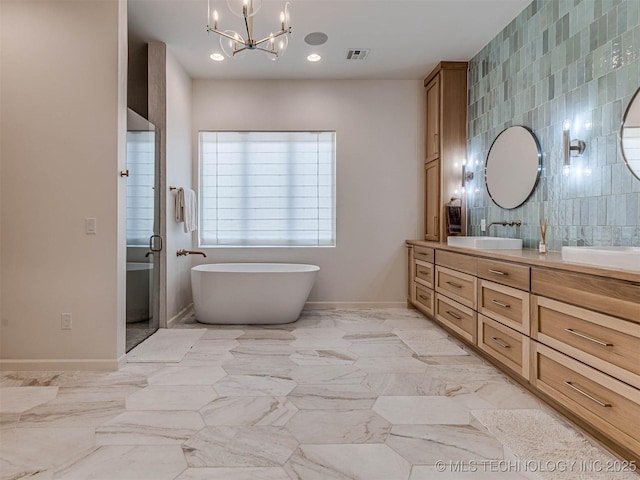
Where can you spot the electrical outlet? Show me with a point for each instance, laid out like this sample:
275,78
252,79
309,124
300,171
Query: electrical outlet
65,321
483,225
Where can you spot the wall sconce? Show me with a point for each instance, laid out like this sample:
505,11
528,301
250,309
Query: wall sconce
571,148
466,176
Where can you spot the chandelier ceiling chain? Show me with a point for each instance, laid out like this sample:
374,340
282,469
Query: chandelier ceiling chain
232,42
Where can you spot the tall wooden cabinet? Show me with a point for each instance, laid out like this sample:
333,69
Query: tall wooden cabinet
445,144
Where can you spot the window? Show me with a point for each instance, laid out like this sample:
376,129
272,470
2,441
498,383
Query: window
267,189
140,194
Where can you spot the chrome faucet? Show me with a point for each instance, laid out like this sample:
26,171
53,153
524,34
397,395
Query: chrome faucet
504,223
184,253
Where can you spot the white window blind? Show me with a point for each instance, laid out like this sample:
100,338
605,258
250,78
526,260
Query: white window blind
140,193
267,189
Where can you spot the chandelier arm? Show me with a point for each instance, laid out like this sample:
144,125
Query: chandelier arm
267,50
226,35
266,39
239,50
249,33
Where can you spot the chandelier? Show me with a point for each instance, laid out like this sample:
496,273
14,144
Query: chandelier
231,42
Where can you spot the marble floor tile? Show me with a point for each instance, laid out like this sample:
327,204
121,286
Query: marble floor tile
214,346
166,345
20,399
221,333
267,336
391,365
253,385
404,384
149,428
253,348
467,378
372,337
321,332
210,358
248,411
273,365
323,356
347,462
333,397
25,451
9,420
235,473
320,342
406,323
381,350
420,410
72,413
258,446
430,472
507,395
322,375
427,444
178,375
333,427
357,324
171,397
433,342
147,462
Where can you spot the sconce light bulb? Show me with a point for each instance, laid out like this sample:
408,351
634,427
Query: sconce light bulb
566,170
215,15
566,125
587,172
587,125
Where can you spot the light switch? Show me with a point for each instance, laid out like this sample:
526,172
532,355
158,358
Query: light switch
90,226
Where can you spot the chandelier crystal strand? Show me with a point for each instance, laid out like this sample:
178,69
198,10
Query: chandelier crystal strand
232,42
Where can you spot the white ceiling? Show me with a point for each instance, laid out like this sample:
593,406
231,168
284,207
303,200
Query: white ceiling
407,38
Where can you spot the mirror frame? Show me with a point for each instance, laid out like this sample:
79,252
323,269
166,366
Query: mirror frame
636,96
539,169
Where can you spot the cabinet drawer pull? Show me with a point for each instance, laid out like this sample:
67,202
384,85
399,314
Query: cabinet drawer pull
500,342
457,317
587,337
585,394
424,297
500,304
424,272
497,272
453,284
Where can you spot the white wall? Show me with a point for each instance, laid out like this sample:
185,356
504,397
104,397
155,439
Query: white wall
62,98
179,174
379,159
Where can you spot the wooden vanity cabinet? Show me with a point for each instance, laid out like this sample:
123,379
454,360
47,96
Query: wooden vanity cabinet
445,143
572,336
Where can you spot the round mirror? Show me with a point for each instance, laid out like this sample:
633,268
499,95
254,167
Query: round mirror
513,167
630,135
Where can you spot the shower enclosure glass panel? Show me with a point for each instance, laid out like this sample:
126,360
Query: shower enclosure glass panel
144,243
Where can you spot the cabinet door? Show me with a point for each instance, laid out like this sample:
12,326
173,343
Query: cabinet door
432,131
432,201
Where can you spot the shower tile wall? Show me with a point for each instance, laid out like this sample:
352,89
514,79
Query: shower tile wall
561,59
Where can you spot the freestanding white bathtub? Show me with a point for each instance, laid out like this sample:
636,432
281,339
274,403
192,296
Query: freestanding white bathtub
251,293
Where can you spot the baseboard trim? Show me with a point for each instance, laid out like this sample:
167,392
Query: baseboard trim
180,315
47,364
355,305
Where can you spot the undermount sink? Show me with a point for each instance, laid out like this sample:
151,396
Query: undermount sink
486,243
624,258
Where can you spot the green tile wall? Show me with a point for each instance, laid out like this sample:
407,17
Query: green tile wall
561,59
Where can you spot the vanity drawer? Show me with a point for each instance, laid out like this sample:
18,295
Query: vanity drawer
511,274
424,298
424,273
457,261
424,253
456,285
606,295
505,304
457,317
606,343
608,404
507,346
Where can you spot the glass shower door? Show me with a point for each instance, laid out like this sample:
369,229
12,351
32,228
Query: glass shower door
144,241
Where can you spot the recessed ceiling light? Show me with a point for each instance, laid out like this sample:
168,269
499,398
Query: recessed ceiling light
216,57
314,57
316,38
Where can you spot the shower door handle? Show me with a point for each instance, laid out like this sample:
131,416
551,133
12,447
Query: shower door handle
153,241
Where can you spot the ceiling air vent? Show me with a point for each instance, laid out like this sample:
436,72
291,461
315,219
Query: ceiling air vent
357,54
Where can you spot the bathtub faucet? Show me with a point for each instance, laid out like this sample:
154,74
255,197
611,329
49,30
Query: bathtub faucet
184,253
